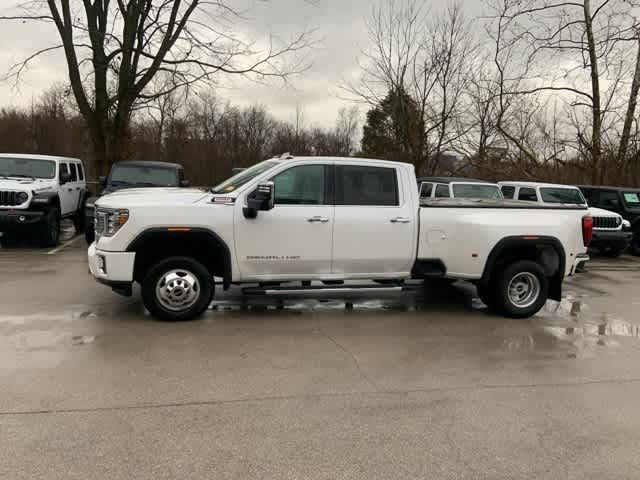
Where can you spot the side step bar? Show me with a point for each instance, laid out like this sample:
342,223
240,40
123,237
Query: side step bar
326,289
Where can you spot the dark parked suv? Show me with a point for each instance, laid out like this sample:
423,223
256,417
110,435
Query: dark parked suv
134,175
625,201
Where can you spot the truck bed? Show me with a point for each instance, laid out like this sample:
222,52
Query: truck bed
462,233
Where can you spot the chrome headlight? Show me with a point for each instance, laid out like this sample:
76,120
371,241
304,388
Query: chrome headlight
22,197
108,221
626,225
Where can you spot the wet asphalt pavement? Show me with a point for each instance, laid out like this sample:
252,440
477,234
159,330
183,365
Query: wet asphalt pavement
423,384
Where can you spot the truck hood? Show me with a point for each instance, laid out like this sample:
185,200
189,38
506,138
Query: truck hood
132,197
599,212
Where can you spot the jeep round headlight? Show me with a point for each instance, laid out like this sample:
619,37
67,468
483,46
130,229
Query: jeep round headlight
22,197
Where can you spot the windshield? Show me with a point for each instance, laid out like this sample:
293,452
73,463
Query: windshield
142,175
27,168
470,190
562,195
243,177
632,198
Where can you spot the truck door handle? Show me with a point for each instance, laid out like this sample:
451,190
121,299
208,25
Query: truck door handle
318,220
401,220
70,190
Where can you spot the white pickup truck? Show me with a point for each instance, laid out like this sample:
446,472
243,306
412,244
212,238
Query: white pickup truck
290,221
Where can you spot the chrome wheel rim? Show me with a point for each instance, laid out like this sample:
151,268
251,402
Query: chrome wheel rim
524,289
178,290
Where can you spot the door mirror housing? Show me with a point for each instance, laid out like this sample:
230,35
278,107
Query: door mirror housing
261,199
65,177
102,180
185,183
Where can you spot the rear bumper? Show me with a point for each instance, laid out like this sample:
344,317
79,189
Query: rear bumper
19,218
114,269
617,239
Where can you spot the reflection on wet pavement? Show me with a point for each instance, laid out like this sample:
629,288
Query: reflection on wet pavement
567,329
27,240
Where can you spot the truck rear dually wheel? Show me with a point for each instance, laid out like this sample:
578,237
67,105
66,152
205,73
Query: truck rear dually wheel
521,289
177,289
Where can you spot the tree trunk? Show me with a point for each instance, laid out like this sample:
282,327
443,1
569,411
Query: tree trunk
597,174
630,116
110,145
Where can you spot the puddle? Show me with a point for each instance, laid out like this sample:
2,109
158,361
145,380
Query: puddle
568,329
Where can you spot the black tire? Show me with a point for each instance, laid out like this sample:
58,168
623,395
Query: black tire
534,297
635,244
79,221
89,235
49,228
183,287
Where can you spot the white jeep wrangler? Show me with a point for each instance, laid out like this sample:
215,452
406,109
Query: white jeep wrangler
37,192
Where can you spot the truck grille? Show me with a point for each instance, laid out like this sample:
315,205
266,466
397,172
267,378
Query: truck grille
610,223
9,199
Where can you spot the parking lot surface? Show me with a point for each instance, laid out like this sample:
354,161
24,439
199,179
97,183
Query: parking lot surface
424,384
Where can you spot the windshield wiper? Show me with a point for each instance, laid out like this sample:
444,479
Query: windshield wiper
22,176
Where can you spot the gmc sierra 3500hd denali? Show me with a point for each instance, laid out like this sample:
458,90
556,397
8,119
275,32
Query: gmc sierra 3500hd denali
304,220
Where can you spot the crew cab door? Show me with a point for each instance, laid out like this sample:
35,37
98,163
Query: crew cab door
67,192
375,222
293,240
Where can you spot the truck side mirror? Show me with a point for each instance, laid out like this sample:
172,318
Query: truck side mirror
65,177
102,180
185,183
261,199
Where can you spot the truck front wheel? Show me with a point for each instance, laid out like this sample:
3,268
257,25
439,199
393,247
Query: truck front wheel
177,289
521,290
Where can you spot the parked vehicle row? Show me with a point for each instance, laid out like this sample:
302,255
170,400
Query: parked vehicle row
609,237
615,229
322,219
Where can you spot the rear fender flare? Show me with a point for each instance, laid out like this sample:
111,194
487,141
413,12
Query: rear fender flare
548,251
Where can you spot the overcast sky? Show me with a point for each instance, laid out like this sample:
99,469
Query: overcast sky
340,26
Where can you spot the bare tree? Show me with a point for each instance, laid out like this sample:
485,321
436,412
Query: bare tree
584,41
114,50
422,62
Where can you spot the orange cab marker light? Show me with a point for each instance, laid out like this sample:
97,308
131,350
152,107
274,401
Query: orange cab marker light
530,238
178,229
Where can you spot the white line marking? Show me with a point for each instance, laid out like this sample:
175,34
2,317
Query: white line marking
64,245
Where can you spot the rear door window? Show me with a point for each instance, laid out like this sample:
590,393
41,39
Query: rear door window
507,191
366,186
63,169
442,191
74,172
528,194
426,189
80,172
